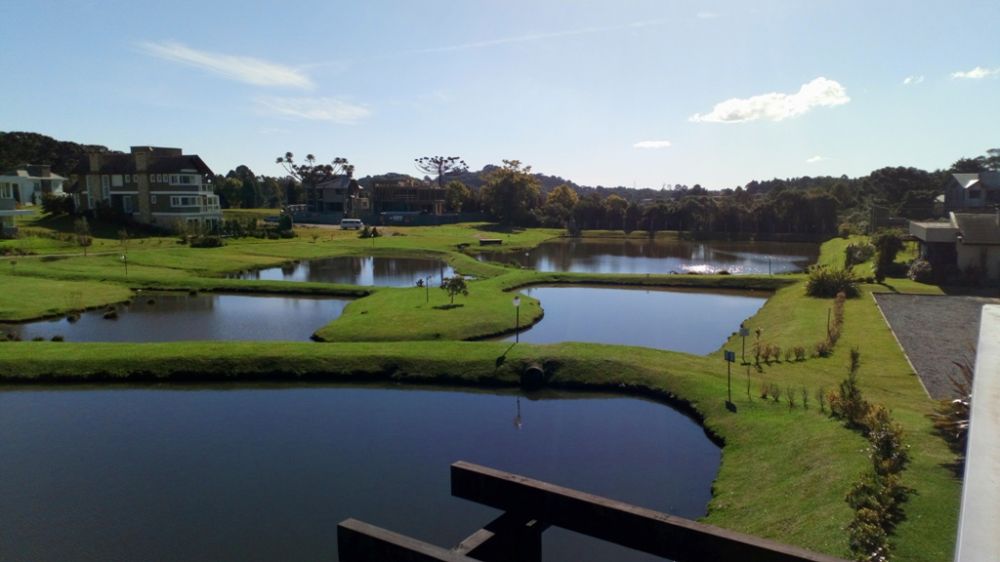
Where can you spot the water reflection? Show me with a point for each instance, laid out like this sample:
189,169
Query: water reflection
598,255
159,316
140,473
679,320
357,270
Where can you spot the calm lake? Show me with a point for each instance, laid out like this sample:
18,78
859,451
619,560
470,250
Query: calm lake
267,472
679,320
159,316
601,255
363,270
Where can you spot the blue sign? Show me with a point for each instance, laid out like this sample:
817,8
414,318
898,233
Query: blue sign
730,356
744,332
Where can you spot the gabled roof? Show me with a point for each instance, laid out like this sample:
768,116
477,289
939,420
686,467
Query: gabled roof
978,228
983,179
22,172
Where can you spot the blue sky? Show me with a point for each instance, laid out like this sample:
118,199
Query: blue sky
613,93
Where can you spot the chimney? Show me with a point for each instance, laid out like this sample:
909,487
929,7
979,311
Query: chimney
95,161
141,155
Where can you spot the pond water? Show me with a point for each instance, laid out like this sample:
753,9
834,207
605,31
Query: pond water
357,270
598,255
159,317
679,320
266,472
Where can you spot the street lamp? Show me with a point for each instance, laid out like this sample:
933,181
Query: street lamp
517,319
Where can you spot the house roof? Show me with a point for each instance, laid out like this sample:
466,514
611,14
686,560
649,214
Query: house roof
125,164
23,173
978,228
985,179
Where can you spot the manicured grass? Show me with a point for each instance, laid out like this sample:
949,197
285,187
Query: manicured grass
785,470
23,298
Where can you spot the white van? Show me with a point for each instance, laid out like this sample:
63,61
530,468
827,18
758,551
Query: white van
351,224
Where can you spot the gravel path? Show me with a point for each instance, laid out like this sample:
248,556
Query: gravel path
934,331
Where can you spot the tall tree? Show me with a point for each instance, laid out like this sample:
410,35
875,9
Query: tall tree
510,193
440,166
457,196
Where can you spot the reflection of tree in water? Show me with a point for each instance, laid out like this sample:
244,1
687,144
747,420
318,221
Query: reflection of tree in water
602,255
518,422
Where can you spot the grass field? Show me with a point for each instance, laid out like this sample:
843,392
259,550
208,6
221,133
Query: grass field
785,469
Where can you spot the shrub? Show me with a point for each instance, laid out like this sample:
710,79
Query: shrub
920,271
800,353
887,244
206,241
775,393
855,254
951,417
57,338
847,403
57,204
825,282
805,398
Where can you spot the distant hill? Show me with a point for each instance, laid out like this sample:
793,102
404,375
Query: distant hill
18,148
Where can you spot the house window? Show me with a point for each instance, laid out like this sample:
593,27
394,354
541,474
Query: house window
116,180
974,194
152,199
127,204
993,196
5,191
182,201
173,180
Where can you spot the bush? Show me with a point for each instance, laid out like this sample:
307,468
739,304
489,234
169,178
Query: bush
204,241
858,253
825,282
920,271
56,204
846,403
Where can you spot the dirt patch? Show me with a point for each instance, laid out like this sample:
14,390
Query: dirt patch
935,331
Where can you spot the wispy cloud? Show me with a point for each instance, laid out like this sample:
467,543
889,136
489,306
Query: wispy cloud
242,69
775,106
976,73
531,37
913,80
817,158
314,109
652,144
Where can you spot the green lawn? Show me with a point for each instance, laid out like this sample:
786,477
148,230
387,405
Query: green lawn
785,470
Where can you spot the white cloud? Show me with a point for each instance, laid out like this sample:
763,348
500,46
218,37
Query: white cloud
652,144
817,158
976,73
912,80
243,69
775,106
314,109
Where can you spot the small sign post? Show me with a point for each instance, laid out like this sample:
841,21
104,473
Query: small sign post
730,359
744,332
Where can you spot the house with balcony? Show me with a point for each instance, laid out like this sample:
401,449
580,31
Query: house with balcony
31,181
407,195
151,185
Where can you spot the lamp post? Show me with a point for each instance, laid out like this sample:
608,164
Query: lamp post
517,319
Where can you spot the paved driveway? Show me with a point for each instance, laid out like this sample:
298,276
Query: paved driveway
935,331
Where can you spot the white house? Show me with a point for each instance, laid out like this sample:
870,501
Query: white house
29,182
8,210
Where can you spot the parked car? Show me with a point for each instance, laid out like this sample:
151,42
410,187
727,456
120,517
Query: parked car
351,224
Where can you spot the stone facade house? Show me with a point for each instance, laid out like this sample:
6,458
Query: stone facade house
151,185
